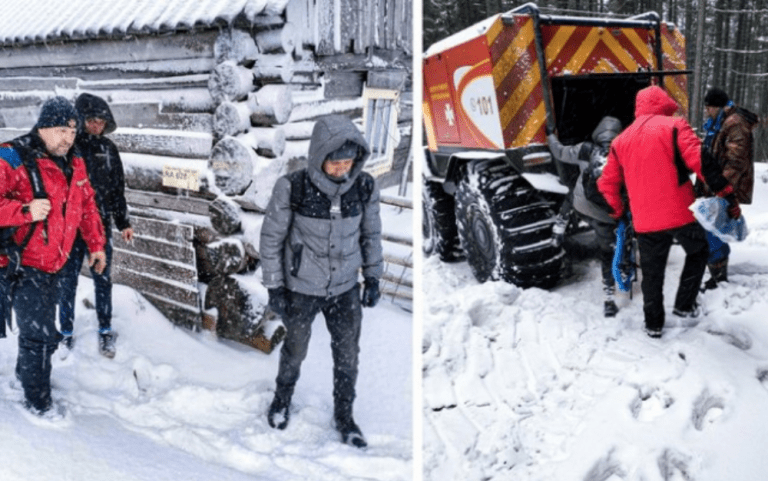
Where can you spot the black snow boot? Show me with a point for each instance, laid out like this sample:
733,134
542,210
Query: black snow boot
279,412
350,433
718,273
345,425
610,309
107,344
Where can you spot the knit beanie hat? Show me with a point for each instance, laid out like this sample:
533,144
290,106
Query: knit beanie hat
56,112
716,98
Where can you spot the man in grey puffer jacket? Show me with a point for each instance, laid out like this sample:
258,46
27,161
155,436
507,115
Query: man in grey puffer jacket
593,155
321,227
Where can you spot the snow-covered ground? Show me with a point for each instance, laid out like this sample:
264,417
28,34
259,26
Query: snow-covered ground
538,385
177,405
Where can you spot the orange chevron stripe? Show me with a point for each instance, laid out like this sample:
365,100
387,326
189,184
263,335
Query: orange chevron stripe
520,94
582,54
534,123
671,56
494,30
516,50
641,45
621,53
555,46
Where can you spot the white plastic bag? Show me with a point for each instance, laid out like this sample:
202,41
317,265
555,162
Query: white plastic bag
712,214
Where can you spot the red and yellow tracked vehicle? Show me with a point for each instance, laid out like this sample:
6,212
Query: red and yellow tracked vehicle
491,186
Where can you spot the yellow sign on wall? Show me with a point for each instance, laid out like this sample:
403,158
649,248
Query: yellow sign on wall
181,178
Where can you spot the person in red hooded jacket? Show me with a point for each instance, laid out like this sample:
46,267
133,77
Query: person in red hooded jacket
653,159
54,223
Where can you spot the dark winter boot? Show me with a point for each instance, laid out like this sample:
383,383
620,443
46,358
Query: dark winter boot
279,412
107,344
350,433
345,425
610,309
68,340
718,272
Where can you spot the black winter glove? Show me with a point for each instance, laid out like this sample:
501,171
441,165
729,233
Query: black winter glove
278,300
371,293
548,130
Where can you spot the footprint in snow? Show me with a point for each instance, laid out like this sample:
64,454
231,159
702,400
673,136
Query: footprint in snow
606,469
650,403
706,410
671,462
736,337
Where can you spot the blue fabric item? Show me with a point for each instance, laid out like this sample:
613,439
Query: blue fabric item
718,250
11,156
712,126
623,278
712,214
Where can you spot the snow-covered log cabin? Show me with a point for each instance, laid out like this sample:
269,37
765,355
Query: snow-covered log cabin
213,100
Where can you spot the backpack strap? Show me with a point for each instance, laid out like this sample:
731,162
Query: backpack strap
683,172
297,188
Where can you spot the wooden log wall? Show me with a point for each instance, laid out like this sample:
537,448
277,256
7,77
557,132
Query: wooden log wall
207,122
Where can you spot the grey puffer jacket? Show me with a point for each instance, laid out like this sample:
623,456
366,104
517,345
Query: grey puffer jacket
316,246
579,154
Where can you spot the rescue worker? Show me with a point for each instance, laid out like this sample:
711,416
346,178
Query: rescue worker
728,135
321,227
653,159
62,171
105,171
593,155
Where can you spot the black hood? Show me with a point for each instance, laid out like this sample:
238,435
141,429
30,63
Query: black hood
90,106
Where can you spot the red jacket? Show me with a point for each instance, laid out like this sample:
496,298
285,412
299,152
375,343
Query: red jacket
642,160
49,248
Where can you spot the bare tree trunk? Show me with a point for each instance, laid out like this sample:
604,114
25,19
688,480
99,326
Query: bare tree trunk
719,56
695,115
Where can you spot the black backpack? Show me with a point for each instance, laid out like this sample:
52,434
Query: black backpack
598,157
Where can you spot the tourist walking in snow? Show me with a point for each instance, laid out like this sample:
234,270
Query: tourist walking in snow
728,136
653,159
321,227
592,155
105,171
45,231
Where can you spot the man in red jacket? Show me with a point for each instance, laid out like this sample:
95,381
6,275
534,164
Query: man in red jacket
653,159
52,230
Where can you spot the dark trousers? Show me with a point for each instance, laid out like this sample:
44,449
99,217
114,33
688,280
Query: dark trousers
343,318
654,251
35,304
5,300
606,242
102,286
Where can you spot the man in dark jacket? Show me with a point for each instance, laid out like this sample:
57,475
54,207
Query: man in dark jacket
105,171
321,227
52,229
728,136
653,159
592,155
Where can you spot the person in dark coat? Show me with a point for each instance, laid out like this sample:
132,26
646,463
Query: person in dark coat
591,155
653,159
105,171
728,135
50,146
321,228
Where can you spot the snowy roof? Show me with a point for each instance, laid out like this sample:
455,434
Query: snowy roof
34,21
